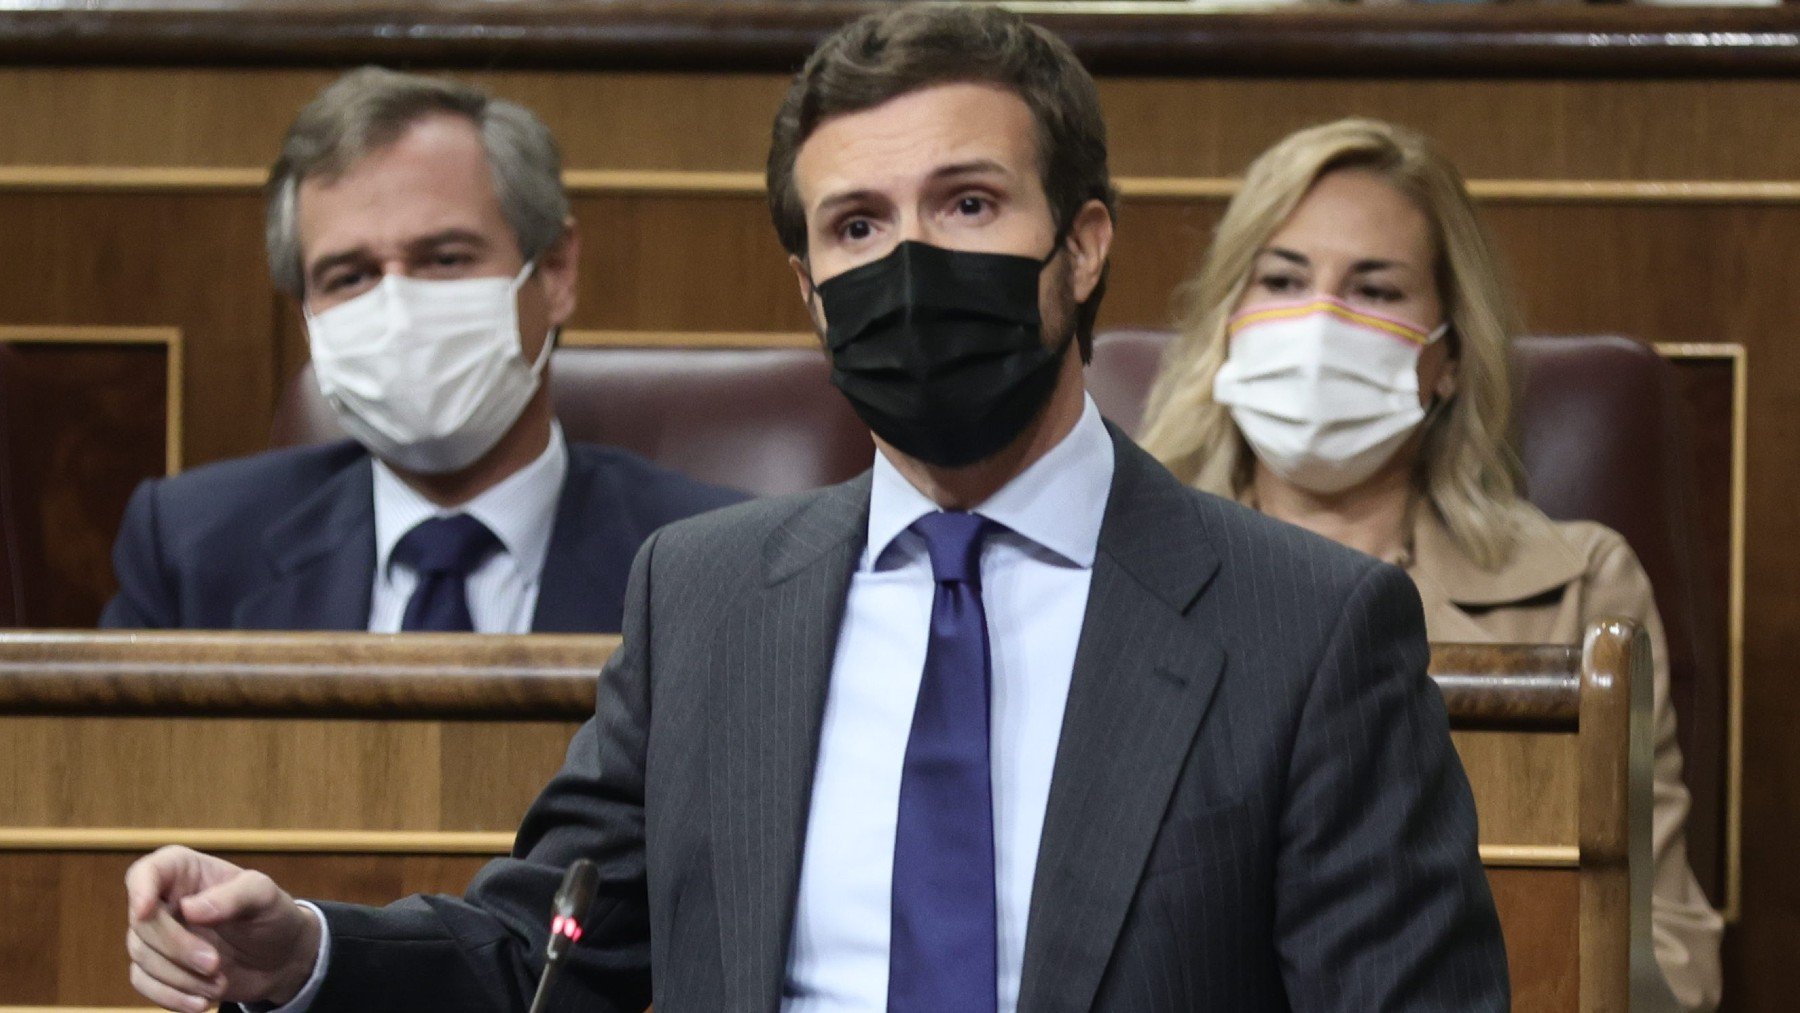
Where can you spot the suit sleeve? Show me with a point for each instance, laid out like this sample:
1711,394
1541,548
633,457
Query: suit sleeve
483,952
146,598
1381,902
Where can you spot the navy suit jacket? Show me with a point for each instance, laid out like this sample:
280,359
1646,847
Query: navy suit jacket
285,540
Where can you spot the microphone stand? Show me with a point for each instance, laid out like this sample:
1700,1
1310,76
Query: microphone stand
573,899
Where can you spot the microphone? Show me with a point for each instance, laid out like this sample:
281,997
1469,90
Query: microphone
573,899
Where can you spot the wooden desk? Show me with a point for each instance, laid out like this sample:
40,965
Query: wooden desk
1556,743
365,767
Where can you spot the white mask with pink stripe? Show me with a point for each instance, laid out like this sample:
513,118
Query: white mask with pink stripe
1324,392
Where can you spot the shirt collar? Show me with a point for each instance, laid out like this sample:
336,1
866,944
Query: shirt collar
520,509
1057,503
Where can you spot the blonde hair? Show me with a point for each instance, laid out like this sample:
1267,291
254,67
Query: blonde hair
1467,470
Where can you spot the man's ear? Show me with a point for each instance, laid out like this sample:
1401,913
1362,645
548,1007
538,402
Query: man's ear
808,291
1089,242
558,269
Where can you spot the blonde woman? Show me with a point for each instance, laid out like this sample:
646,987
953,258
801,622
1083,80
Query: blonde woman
1342,365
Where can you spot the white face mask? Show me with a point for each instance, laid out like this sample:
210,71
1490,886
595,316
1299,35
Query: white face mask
1324,393
428,375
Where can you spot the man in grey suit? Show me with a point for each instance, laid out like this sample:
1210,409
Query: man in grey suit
1014,721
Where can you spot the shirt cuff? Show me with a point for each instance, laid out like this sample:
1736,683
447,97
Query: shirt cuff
303,1000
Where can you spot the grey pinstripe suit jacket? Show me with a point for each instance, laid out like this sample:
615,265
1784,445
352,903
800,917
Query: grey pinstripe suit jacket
1255,803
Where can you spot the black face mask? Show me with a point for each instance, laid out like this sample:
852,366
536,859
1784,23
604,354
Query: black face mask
941,351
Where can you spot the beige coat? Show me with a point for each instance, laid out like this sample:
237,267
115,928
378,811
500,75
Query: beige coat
1598,576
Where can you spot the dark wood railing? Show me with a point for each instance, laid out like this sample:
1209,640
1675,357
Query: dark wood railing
770,35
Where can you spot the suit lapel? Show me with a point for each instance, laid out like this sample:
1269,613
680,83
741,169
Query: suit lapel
589,559
321,558
1143,679
773,655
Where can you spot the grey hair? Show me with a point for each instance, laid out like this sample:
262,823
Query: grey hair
370,108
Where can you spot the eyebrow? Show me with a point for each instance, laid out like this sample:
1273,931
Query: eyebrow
838,200
956,170
1368,264
450,235
973,167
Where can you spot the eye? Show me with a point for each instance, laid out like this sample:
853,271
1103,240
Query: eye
446,262
1281,284
1379,293
338,281
856,230
971,205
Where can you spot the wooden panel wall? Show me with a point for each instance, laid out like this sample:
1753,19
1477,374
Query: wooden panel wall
369,811
70,954
115,787
70,951
88,414
104,226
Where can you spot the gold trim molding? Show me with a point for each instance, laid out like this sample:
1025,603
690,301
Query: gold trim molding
462,842
1531,856
593,182
170,338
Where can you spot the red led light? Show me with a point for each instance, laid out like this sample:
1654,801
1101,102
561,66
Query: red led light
563,925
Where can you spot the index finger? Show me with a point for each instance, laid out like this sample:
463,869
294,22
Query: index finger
144,884
150,878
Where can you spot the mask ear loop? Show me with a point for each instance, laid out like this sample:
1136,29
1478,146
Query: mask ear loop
812,288
1056,243
1439,402
814,312
1056,247
551,339
1438,334
1434,412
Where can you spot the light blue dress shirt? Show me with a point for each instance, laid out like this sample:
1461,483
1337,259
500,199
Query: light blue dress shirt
1034,585
520,510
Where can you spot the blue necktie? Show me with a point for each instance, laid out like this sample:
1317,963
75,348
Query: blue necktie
444,551
941,956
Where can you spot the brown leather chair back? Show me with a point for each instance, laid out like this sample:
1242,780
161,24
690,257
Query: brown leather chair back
1119,377
1602,438
764,420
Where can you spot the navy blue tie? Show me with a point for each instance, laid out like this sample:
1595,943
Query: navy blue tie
941,956
444,551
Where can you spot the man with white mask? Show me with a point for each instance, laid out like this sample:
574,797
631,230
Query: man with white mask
423,228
